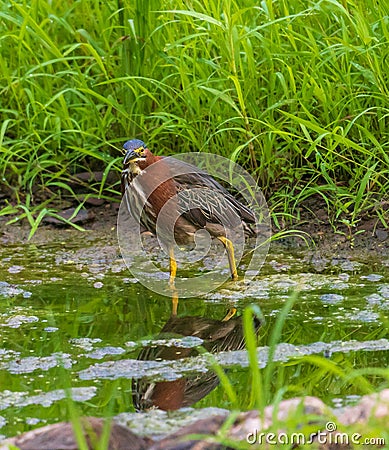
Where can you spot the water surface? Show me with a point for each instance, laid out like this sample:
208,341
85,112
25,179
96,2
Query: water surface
74,321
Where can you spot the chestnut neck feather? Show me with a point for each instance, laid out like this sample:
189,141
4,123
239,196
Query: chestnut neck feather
150,159
166,188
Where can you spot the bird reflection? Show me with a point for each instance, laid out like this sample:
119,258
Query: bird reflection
217,335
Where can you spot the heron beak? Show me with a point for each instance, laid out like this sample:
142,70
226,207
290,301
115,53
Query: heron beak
133,156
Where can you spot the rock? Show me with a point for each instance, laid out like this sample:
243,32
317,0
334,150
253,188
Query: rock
60,436
82,216
247,427
251,422
382,235
94,201
177,441
370,406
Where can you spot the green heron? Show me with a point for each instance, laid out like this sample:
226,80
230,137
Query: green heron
196,199
217,335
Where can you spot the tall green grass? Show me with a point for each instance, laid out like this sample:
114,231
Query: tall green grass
295,91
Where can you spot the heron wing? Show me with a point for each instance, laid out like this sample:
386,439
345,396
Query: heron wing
189,177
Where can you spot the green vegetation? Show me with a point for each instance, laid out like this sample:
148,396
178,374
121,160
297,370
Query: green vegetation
295,91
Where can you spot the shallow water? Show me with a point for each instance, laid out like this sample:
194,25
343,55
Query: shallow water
73,322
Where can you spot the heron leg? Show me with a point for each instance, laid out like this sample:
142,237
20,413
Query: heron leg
173,268
231,258
173,272
174,302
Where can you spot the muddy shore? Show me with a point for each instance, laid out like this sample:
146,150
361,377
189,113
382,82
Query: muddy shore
312,233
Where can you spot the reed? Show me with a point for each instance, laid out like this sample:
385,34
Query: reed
295,91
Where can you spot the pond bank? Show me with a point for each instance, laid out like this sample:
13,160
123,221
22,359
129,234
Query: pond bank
317,425
313,231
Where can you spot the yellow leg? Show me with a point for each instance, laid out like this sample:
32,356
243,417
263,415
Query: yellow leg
173,268
230,313
174,302
173,272
231,258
